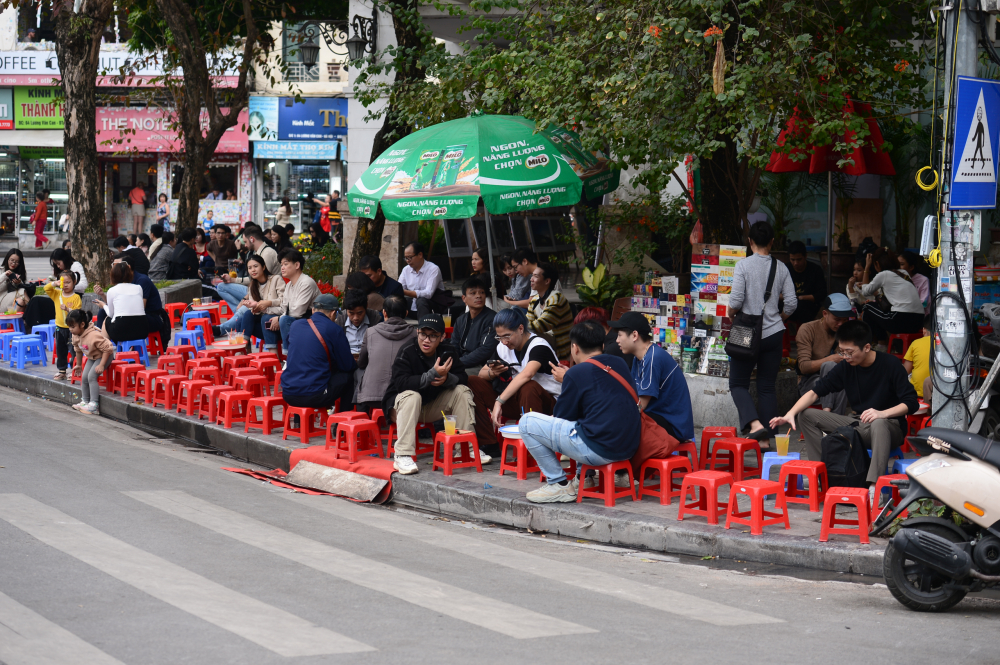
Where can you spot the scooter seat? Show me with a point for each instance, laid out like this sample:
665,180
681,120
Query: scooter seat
979,447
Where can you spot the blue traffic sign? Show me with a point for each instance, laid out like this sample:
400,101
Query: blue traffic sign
974,160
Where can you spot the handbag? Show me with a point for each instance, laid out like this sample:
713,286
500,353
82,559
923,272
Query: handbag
744,336
654,441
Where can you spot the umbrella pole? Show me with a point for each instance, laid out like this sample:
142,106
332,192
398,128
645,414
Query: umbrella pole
489,252
829,231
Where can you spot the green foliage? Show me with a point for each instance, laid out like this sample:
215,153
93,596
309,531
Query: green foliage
925,508
782,193
910,150
600,289
325,263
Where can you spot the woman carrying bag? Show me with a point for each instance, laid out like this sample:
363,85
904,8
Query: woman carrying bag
755,341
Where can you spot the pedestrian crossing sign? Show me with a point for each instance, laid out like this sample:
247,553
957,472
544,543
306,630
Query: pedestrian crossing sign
974,160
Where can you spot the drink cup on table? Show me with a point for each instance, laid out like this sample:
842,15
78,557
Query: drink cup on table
447,320
781,440
450,425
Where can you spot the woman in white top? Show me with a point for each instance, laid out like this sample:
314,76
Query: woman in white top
907,310
911,263
126,313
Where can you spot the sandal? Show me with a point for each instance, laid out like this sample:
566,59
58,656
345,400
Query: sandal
61,376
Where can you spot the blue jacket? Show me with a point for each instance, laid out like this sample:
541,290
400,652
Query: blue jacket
307,371
606,417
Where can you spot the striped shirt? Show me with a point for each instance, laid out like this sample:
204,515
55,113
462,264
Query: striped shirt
554,318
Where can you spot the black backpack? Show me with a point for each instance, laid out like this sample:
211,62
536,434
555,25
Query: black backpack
846,459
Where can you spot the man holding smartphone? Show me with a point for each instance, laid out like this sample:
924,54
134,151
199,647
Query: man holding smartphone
428,379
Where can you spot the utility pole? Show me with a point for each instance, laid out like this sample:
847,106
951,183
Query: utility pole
951,358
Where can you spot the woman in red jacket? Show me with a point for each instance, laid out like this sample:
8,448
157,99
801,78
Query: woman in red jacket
40,218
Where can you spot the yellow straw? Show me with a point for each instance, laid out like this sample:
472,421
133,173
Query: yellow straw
444,416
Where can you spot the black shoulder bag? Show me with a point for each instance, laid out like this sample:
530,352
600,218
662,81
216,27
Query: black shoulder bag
744,337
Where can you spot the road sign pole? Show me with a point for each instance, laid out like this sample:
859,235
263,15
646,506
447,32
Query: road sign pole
951,360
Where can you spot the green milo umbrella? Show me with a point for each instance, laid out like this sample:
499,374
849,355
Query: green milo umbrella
443,170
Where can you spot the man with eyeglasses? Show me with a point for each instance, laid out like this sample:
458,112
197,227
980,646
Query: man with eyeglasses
877,388
816,342
421,281
428,379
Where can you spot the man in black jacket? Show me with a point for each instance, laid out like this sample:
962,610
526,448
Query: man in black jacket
136,258
428,378
474,334
184,261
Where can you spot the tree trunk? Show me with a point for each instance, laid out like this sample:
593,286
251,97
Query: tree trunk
78,46
720,209
368,239
197,92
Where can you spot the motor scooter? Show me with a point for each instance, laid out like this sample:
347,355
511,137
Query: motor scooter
931,563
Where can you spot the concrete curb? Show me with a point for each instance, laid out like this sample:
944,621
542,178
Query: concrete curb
463,498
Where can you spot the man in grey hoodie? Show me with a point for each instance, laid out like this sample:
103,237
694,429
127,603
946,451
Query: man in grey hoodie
378,351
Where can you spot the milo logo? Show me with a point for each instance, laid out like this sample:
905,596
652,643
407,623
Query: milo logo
454,154
439,212
388,172
368,210
542,200
430,154
537,160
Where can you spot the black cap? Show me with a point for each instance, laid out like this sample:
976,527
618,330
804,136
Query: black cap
633,321
432,321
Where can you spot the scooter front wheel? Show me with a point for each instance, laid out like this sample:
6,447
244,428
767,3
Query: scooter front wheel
915,585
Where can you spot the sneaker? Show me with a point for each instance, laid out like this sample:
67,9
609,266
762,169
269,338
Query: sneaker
621,478
871,496
404,464
90,409
484,458
79,405
590,482
217,331
554,493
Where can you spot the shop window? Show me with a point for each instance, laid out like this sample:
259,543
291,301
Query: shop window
35,22
222,177
298,71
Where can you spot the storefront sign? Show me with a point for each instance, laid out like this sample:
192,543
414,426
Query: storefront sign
312,119
6,108
42,67
38,152
150,130
263,118
38,108
296,150
977,140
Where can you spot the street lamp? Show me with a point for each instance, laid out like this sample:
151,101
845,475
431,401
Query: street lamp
309,51
356,47
365,39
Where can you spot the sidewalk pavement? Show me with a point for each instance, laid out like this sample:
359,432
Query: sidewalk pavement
500,499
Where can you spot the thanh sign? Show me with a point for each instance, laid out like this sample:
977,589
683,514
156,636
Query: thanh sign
38,108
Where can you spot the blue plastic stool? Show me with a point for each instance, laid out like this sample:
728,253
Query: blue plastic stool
47,331
16,324
774,459
195,338
5,343
27,349
52,322
135,345
899,466
187,316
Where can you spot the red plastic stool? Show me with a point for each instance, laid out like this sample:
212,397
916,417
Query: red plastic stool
605,488
522,464
419,447
213,374
307,423
175,310
756,490
570,471
173,364
854,496
266,366
205,325
229,363
706,502
236,373
166,390
201,362
667,488
208,401
707,435
216,354
128,356
232,408
883,483
276,389
73,378
346,416
354,437
187,351
154,346
267,422
814,472
127,374
736,448
254,383
112,374
905,339
444,452
189,395
145,384
690,449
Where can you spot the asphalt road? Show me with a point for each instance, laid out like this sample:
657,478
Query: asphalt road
117,547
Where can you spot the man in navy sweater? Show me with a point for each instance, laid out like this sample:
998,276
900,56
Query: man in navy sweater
318,373
595,420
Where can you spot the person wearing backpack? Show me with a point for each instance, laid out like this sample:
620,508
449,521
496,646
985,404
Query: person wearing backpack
878,390
759,282
596,419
